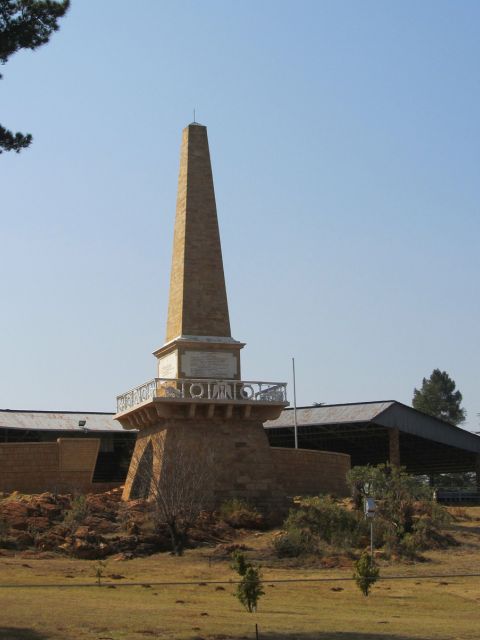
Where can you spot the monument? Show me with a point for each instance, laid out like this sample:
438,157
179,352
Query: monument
198,398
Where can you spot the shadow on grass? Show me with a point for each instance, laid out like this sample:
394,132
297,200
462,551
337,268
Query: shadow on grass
332,635
19,633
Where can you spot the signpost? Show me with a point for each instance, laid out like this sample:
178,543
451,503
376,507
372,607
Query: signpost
370,508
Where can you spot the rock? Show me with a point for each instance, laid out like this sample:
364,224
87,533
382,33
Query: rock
89,551
120,557
123,544
49,541
23,540
16,514
37,524
51,511
100,525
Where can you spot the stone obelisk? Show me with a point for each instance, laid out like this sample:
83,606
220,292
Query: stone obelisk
198,398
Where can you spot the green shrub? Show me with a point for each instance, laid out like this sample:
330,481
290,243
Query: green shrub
240,563
328,521
316,523
77,513
407,520
366,573
293,543
100,571
239,514
249,589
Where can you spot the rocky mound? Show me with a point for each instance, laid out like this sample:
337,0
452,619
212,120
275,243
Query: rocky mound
90,527
95,526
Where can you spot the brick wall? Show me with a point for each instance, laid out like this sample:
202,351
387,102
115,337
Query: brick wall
307,472
34,467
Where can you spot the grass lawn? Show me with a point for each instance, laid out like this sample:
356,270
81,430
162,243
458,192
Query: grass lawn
427,609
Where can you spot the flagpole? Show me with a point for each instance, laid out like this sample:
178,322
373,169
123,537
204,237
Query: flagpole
295,427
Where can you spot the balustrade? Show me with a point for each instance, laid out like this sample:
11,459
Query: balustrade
203,390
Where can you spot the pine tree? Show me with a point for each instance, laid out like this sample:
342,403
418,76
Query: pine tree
438,398
25,24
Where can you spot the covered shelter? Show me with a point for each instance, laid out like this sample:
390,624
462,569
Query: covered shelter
115,446
376,432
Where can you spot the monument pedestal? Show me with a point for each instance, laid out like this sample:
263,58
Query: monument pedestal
237,453
217,423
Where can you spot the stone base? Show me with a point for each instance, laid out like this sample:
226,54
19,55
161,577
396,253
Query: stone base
235,454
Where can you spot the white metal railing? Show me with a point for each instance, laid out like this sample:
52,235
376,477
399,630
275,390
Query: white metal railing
203,390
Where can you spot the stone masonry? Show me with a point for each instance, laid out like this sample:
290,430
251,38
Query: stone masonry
33,467
219,421
302,472
198,298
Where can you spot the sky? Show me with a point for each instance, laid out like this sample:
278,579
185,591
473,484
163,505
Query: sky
345,144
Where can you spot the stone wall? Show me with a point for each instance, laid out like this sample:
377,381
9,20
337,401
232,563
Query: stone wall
235,452
33,467
307,472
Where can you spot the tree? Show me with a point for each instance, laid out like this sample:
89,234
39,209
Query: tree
407,520
438,398
249,589
177,480
394,490
25,24
366,574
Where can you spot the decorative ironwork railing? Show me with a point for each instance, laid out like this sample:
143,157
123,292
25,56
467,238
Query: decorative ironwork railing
203,390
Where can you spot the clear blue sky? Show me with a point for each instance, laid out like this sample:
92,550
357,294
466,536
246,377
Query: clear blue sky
345,140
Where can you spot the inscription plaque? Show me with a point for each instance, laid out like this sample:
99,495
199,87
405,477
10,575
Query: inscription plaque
168,366
209,364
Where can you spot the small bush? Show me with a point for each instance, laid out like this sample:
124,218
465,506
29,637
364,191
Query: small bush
326,520
240,515
409,546
35,533
77,513
294,543
249,589
366,574
316,524
407,520
240,563
100,571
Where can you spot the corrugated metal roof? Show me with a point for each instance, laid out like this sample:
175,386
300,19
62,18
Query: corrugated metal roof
390,414
331,414
58,421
